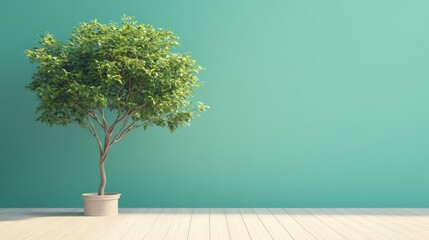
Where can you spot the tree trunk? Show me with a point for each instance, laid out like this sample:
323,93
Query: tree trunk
103,157
102,179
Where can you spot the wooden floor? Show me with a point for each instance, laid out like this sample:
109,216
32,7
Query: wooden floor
217,224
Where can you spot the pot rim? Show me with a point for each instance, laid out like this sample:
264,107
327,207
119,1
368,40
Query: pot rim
106,196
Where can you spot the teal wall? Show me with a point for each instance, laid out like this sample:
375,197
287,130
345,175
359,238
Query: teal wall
313,104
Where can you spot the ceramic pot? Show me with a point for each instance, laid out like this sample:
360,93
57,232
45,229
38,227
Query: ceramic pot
104,205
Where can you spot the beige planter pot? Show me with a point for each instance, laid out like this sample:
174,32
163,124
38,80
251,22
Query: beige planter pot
105,205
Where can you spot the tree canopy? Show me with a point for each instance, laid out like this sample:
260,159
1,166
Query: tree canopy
128,68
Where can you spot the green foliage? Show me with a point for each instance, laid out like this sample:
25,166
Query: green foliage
126,68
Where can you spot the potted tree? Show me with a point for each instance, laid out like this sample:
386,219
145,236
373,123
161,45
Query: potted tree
111,79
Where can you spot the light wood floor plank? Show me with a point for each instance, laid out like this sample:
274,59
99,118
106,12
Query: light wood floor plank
418,211
91,225
400,213
236,226
142,225
179,229
317,228
420,221
123,225
36,220
58,228
397,223
256,228
418,216
276,230
200,224
65,231
162,225
364,230
371,215
296,230
108,223
218,225
368,221
336,225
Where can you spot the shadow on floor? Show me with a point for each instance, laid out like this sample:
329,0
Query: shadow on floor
17,214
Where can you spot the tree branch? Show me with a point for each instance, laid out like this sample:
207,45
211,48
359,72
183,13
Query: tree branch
95,117
119,118
123,128
107,134
94,133
105,123
124,131
129,130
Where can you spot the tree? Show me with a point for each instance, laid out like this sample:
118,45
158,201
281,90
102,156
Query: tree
127,70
